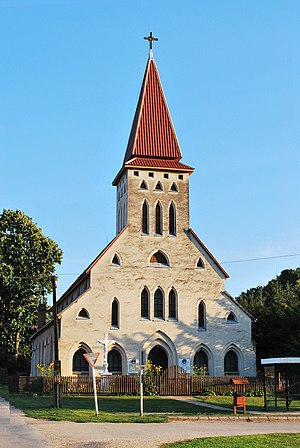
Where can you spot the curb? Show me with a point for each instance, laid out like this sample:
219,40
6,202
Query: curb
231,418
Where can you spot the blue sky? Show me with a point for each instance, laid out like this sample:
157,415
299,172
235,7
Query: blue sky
70,76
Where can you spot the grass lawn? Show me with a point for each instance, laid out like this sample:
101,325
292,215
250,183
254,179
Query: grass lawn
253,403
253,441
111,409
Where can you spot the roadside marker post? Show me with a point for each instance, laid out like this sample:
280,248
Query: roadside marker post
91,359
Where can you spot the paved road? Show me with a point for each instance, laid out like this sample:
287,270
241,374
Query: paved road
17,431
137,435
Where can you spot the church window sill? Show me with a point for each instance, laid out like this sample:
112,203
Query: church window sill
158,265
114,328
202,329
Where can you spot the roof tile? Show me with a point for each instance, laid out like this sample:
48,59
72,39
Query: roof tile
152,133
171,164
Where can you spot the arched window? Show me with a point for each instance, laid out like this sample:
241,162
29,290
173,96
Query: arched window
114,360
116,260
80,364
158,219
174,187
83,314
145,218
159,259
145,304
172,219
115,314
159,186
231,319
158,304
231,363
144,185
201,315
200,263
201,363
172,305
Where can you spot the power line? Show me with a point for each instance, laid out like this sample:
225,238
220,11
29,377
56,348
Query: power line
260,258
245,260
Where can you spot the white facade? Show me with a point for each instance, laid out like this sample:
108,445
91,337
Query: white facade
155,289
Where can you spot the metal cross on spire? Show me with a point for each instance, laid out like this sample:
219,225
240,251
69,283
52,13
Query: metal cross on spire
151,39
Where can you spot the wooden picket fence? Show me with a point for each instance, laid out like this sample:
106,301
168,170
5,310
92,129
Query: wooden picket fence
164,385
20,383
173,381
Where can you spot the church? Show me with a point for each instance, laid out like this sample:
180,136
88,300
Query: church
155,289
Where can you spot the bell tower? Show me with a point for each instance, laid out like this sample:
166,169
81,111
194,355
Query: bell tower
152,185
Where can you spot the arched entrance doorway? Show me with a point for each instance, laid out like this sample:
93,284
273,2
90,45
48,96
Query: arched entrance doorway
114,359
201,363
231,363
80,364
158,357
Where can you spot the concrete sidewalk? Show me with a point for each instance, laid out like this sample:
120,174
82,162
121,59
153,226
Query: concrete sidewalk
15,431
151,435
251,415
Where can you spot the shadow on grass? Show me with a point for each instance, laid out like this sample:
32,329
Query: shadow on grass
253,403
111,409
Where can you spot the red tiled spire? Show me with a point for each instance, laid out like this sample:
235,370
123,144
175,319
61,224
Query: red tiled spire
153,142
152,133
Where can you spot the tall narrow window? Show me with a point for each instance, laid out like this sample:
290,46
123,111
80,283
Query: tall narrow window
201,315
158,219
145,304
172,219
172,305
158,304
115,314
145,218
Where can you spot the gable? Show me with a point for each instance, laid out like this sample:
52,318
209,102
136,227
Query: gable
238,305
206,253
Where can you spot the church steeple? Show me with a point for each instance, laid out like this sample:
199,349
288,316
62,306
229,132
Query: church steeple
152,133
152,142
152,178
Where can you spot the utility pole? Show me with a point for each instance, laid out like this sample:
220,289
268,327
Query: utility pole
57,390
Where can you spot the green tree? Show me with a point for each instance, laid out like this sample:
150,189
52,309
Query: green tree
27,262
276,308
